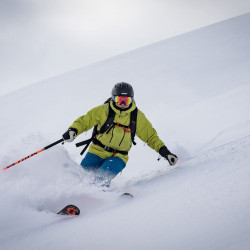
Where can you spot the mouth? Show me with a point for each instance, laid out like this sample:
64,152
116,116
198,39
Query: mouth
122,106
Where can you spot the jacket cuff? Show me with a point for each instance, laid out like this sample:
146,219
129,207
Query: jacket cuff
164,151
74,129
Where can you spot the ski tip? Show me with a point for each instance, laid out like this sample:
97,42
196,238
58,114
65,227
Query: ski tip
70,210
127,195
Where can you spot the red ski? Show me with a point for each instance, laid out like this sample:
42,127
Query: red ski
70,210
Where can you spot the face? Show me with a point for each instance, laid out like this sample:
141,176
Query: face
122,106
122,102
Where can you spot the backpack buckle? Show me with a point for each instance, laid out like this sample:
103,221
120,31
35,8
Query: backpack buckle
107,148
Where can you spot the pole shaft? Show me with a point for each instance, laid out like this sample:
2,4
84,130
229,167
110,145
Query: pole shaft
37,152
53,144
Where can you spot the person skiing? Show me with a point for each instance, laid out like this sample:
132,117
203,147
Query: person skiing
115,122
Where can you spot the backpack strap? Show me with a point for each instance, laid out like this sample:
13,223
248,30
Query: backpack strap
86,143
132,125
109,121
107,126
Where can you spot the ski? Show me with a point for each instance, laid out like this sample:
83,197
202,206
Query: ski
127,195
70,210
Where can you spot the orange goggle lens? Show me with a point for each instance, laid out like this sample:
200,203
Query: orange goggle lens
123,99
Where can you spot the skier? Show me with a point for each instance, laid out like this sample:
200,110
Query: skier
116,123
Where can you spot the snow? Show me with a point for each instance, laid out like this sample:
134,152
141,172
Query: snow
195,90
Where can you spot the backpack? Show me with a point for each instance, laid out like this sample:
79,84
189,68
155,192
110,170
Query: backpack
109,124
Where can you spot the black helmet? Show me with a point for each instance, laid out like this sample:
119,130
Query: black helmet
122,89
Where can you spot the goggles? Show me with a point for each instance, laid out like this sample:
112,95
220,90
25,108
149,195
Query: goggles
127,100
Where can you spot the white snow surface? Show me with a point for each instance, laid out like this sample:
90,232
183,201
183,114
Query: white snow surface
195,89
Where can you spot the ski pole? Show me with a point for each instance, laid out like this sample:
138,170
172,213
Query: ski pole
37,152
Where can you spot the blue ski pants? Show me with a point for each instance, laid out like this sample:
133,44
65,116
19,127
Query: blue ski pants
106,169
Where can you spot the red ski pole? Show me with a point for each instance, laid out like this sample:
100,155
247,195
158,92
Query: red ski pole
37,152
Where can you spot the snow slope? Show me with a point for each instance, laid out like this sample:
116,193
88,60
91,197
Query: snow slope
195,89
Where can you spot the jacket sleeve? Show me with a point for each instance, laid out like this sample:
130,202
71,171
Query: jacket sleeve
146,132
94,117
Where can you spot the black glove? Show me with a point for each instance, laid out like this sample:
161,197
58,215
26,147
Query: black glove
70,135
172,158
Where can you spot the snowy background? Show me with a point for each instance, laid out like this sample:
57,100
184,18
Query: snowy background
195,89
40,39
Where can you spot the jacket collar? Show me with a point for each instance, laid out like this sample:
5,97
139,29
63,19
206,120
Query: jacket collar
121,112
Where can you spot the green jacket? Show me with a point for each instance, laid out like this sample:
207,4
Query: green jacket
114,139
